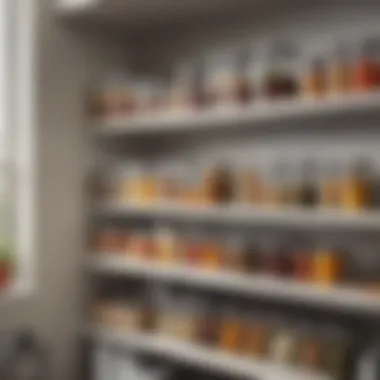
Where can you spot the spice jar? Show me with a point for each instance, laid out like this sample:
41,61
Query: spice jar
235,255
256,336
316,81
141,245
218,185
327,266
331,186
281,79
367,71
308,192
231,330
223,80
209,323
303,264
341,78
141,185
250,187
356,187
310,352
194,249
170,183
212,254
167,245
283,343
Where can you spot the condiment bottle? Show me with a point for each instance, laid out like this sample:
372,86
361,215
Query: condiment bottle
213,252
327,266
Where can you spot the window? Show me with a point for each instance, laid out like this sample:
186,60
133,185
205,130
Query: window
16,144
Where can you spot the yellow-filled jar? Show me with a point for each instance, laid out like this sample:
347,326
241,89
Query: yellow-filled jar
327,267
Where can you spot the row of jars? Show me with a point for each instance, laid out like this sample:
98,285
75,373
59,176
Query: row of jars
233,329
348,187
233,254
245,75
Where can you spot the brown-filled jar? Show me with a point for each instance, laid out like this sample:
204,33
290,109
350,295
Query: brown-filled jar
256,336
310,351
218,185
231,330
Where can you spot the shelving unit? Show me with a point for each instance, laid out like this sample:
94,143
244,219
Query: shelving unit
251,116
201,357
251,216
337,298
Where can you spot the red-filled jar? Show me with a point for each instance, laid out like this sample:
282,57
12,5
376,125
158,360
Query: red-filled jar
367,71
303,264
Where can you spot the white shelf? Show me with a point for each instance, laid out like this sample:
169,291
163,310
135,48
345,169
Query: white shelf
235,214
337,298
234,116
201,357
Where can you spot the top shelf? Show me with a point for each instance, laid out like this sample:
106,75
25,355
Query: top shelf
252,116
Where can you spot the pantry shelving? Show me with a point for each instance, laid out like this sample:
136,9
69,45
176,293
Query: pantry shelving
201,357
288,217
339,298
250,116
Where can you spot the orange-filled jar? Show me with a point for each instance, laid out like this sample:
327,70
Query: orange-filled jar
212,254
231,331
356,187
327,266
341,78
315,83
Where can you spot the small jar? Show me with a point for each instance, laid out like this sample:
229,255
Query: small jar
223,80
194,247
281,79
256,336
316,78
331,186
303,264
141,245
309,190
356,187
328,266
310,352
209,325
249,186
167,245
235,255
212,254
218,185
367,70
341,76
231,331
283,343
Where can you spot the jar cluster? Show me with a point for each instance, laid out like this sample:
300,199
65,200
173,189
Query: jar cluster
350,186
234,329
246,76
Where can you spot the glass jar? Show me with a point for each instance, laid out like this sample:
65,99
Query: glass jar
328,266
167,245
223,80
367,70
212,253
281,79
356,186
235,255
308,192
256,336
341,76
303,264
283,343
331,186
316,78
249,187
231,330
310,352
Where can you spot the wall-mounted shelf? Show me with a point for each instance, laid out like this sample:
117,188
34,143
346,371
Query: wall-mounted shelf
234,116
201,357
245,215
337,298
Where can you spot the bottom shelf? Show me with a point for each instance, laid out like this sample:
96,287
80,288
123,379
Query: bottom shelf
201,357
